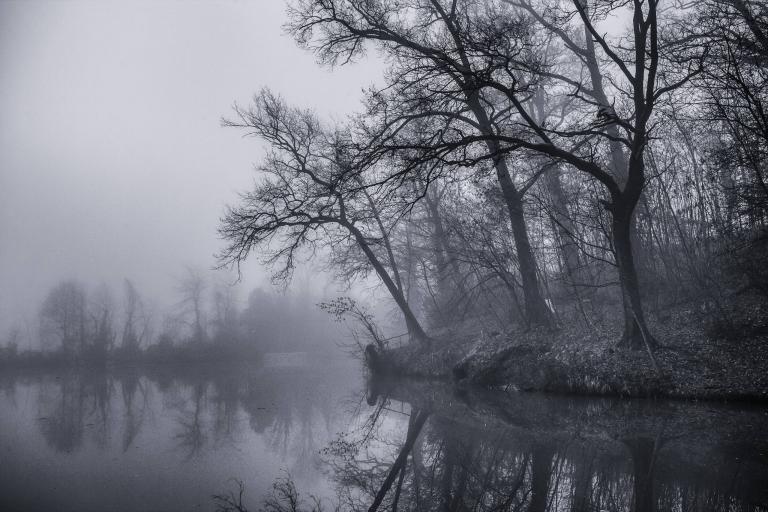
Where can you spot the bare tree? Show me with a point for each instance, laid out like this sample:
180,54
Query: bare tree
63,315
309,199
133,306
102,335
494,49
433,106
192,287
225,312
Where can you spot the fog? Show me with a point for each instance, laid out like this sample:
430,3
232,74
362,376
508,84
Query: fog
488,255
113,163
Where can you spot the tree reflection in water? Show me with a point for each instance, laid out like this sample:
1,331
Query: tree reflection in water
163,438
422,447
136,408
62,414
209,408
191,436
538,453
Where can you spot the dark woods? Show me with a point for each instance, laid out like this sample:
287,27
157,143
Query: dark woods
596,165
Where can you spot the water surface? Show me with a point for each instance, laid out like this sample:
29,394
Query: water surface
168,439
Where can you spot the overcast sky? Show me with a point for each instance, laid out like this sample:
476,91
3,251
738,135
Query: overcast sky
112,160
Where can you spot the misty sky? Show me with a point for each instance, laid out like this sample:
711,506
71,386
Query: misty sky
113,163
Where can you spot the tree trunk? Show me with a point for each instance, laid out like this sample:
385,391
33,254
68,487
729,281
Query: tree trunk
411,322
399,487
414,428
449,282
537,311
620,164
449,462
642,453
636,334
564,224
541,471
564,228
385,238
582,484
438,243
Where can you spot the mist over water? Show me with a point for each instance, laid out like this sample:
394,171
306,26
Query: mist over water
415,255
168,438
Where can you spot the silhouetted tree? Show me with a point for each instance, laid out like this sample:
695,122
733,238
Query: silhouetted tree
495,57
192,287
133,309
311,199
63,316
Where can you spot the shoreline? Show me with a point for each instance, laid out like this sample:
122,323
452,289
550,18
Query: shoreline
694,365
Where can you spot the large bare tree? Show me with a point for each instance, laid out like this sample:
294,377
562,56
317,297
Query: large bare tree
606,87
311,198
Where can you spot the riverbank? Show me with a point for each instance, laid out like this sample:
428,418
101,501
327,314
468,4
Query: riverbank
695,360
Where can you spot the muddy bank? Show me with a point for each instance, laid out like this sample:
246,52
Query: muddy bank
691,364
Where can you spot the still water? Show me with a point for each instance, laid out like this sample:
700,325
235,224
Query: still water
166,439
152,439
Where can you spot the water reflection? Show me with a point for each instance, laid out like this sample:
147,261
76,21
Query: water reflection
205,408
486,451
67,407
163,438
152,439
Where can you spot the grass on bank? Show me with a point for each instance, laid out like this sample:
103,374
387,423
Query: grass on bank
699,357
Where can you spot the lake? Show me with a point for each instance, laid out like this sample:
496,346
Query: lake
170,438
166,439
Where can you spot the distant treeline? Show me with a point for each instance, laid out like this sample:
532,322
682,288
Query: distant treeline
208,323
